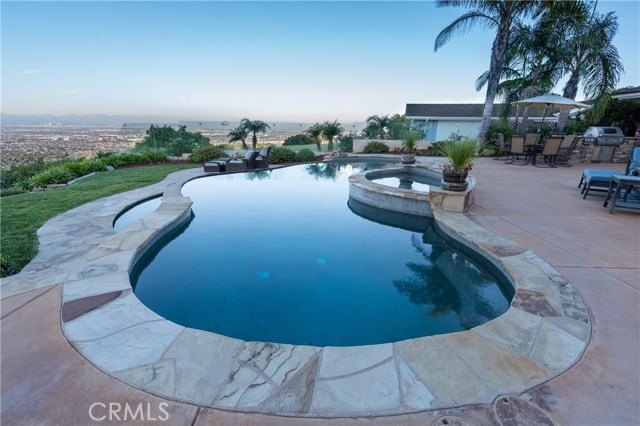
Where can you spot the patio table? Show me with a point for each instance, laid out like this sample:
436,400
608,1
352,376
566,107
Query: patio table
619,183
534,150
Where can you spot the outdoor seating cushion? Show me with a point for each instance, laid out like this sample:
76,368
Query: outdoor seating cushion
601,176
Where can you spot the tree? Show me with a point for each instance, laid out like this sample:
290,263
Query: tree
175,142
315,132
380,123
500,15
254,126
330,131
592,60
239,134
623,113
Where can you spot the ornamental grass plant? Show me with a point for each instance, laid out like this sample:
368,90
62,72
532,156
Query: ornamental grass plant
460,154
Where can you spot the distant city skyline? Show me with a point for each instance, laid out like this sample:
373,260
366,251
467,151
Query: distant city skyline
275,61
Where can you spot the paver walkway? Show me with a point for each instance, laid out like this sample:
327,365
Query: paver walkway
45,381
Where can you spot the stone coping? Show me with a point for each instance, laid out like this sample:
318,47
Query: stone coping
543,333
364,189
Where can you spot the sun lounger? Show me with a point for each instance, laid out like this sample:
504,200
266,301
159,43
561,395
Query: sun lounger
242,164
600,179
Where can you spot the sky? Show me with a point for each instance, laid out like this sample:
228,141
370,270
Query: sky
288,61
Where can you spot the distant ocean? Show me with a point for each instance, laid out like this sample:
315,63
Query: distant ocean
223,125
136,123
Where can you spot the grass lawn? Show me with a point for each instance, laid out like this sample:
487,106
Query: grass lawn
22,215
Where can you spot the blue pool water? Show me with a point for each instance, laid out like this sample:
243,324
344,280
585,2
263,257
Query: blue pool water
284,256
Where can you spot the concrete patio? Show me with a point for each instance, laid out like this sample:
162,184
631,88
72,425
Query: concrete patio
46,381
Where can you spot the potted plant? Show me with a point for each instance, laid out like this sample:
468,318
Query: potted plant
460,155
409,143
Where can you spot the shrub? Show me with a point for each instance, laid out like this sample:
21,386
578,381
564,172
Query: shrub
79,168
131,158
19,173
207,153
154,157
345,144
58,174
376,147
305,155
436,148
301,139
280,154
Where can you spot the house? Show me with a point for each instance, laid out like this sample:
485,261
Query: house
440,121
628,93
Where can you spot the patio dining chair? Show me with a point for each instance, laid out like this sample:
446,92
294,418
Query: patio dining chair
531,139
550,150
567,146
517,149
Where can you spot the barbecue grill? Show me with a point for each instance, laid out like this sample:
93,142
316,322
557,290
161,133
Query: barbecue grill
604,140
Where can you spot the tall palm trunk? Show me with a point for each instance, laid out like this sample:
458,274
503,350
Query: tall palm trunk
254,140
498,55
570,91
330,146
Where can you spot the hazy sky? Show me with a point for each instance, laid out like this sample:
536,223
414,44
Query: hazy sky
310,61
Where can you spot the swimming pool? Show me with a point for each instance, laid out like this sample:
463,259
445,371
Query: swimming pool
280,256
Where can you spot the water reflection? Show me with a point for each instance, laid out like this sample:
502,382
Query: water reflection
323,171
258,174
405,183
447,282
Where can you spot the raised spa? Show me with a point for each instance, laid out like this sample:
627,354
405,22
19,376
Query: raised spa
286,256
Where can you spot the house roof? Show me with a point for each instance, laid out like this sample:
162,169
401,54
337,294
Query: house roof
627,93
449,110
459,111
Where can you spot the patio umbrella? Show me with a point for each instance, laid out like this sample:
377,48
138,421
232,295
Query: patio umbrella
551,100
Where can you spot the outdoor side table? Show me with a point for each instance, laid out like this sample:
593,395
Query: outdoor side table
620,183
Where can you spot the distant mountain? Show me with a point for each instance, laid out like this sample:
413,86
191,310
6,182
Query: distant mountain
80,120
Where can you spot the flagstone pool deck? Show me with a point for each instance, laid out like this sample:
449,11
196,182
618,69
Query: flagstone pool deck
567,351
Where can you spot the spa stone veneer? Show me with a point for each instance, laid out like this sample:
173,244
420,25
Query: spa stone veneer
362,187
544,332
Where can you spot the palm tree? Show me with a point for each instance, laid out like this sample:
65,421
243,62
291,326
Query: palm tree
314,133
592,60
255,126
239,134
330,131
498,14
381,123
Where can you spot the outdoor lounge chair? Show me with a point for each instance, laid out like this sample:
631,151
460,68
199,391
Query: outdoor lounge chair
216,166
242,164
517,149
600,179
262,161
550,150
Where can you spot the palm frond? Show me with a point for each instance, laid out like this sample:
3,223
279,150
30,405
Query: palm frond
462,25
